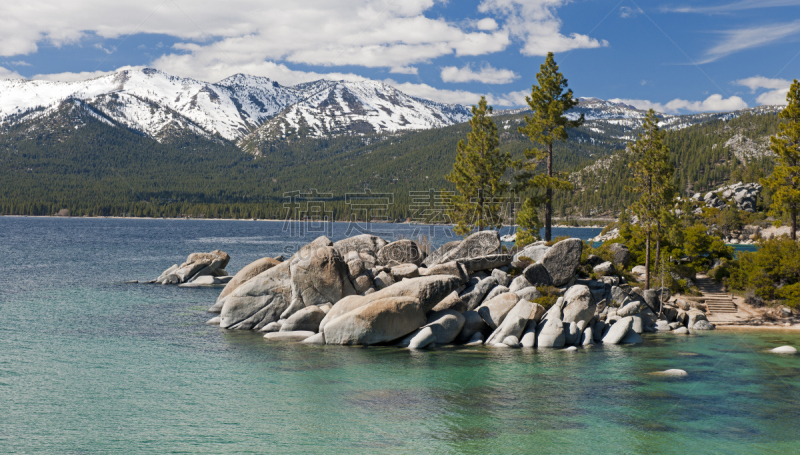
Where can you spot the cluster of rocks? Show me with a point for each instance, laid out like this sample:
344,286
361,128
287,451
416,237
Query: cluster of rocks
365,291
744,195
682,316
200,269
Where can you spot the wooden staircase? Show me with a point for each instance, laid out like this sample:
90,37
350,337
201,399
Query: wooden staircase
715,300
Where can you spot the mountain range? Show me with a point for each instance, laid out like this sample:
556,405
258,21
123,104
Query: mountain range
133,141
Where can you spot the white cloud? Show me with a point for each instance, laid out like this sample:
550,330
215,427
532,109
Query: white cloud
735,6
626,12
714,103
487,74
747,38
536,24
776,89
404,70
512,99
372,33
19,63
6,73
81,76
486,24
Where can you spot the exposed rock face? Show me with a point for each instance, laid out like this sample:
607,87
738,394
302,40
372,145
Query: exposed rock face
364,243
451,302
550,334
529,255
249,271
618,331
483,243
258,301
562,260
514,322
606,268
319,277
620,254
476,290
537,275
428,290
307,318
434,257
446,325
494,311
400,252
473,324
196,265
379,321
452,268
580,304
488,262
405,271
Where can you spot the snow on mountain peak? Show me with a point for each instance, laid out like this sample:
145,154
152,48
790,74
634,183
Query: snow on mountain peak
151,101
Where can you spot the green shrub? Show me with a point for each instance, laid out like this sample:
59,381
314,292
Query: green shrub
790,294
776,262
549,296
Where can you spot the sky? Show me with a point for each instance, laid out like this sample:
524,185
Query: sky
676,56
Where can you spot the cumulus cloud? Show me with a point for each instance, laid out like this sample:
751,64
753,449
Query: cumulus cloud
487,74
776,89
371,33
6,73
486,24
714,103
747,38
535,23
512,99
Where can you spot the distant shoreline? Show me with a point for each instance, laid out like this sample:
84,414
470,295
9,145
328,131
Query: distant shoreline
560,226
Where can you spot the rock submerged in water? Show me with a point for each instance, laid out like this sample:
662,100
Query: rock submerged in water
784,350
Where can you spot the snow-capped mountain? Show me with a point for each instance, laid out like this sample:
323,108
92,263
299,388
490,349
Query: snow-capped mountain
156,103
335,108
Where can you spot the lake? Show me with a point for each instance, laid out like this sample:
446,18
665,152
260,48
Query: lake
90,364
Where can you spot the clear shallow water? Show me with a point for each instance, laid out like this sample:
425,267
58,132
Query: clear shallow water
89,364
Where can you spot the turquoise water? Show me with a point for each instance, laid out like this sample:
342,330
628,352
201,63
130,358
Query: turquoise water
89,364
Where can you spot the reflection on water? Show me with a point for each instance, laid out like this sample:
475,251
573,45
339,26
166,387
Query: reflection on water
93,365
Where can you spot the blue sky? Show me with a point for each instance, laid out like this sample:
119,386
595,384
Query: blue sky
676,56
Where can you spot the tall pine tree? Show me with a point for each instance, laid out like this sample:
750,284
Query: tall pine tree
785,179
652,181
549,101
478,175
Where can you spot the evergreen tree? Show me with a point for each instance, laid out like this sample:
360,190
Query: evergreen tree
652,181
478,175
785,179
528,224
548,124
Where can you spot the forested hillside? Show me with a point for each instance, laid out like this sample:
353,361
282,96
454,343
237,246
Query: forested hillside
79,160
705,157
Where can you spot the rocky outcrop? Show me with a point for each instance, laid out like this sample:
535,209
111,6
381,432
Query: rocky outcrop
378,321
400,252
529,254
196,265
562,260
319,291
259,301
483,243
249,271
620,255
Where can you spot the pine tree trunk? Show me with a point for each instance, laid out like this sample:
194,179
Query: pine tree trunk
647,262
794,225
548,205
658,247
